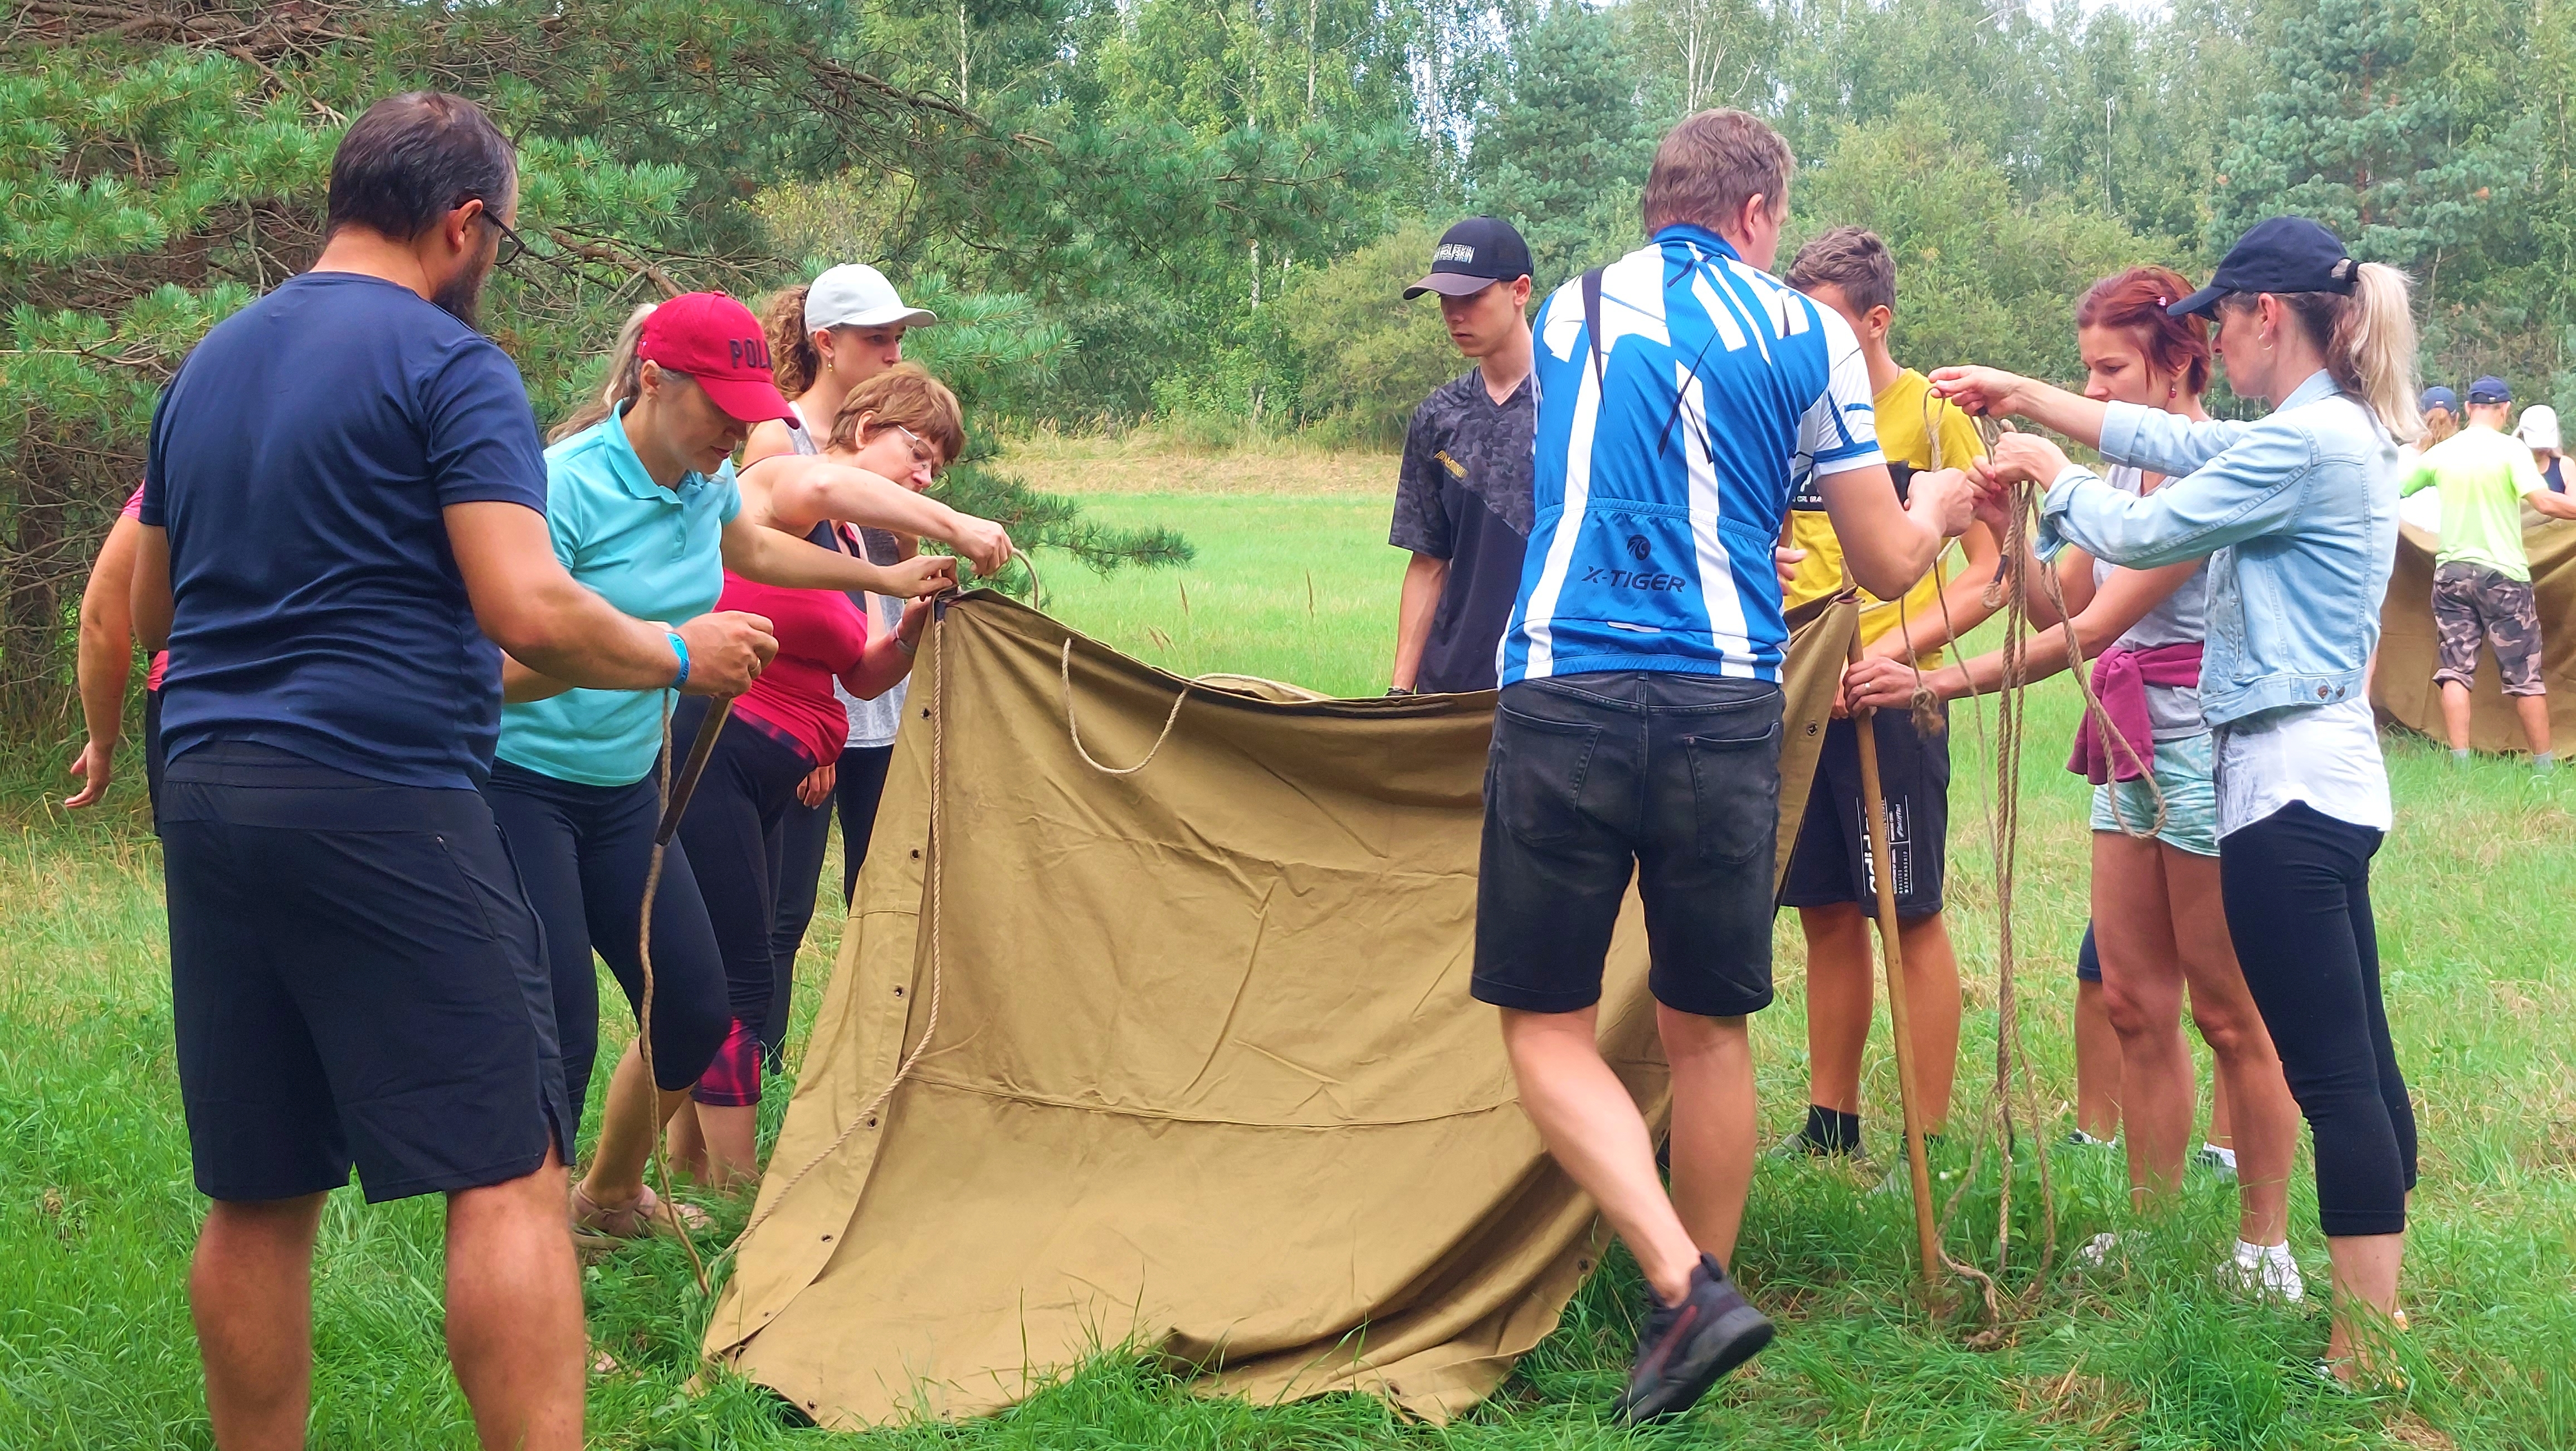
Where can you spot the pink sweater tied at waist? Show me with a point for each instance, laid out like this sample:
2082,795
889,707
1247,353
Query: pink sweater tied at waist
2120,681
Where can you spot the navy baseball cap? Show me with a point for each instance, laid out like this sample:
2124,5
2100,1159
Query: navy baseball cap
2285,254
2437,396
1472,256
2490,389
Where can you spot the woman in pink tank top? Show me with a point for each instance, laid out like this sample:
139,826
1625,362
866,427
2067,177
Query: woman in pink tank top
901,425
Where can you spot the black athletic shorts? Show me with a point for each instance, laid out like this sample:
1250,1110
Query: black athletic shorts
2088,959
1672,778
1830,864
355,978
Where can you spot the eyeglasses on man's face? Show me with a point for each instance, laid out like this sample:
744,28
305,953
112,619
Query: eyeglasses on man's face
512,246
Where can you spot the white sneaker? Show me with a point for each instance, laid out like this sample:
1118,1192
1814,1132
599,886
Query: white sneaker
2264,1272
2218,1160
2097,1251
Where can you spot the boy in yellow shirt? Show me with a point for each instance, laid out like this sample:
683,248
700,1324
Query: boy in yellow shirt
1829,881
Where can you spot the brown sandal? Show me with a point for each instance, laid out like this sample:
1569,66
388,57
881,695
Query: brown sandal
598,1226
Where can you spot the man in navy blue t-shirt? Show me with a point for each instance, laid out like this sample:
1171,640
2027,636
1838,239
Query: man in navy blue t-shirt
343,512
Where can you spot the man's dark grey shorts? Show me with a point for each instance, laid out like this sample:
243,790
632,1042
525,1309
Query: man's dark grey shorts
1672,778
355,978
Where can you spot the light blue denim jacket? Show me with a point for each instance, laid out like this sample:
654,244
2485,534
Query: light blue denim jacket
2298,515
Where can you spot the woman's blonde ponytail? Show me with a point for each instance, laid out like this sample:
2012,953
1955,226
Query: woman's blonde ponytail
2371,350
625,379
2368,338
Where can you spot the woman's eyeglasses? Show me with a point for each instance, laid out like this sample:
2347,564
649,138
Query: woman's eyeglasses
922,449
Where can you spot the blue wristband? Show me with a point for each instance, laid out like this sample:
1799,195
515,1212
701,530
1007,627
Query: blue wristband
680,648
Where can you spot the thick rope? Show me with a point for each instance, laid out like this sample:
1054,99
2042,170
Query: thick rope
2009,591
658,1161
2012,578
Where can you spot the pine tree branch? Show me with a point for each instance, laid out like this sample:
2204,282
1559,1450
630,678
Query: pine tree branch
140,362
611,252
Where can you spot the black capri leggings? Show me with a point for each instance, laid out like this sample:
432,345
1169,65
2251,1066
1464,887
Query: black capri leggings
736,832
2297,887
858,783
582,853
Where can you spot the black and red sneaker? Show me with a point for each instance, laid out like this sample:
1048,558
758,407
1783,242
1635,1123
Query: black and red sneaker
1689,1346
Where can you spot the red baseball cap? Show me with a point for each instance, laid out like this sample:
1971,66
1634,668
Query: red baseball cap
716,341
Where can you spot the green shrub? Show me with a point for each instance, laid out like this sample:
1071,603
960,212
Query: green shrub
1369,356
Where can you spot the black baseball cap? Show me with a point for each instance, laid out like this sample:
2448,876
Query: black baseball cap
1472,256
2490,389
2285,254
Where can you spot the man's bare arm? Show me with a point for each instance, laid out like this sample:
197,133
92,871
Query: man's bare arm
1424,578
152,588
1889,545
533,608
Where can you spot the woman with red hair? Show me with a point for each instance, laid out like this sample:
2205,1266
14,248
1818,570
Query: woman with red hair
2159,925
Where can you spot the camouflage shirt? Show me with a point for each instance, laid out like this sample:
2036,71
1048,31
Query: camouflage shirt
1463,495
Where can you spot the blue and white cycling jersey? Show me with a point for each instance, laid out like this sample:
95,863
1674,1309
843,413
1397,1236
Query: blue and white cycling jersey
1662,481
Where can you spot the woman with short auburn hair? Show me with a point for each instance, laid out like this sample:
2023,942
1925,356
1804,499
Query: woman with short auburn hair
826,338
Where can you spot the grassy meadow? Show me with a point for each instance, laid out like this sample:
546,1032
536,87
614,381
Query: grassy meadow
1293,580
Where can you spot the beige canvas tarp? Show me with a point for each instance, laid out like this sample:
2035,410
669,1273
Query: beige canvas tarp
1206,1078
2402,686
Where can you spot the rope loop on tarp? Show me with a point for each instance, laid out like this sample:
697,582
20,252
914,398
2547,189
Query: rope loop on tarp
1073,728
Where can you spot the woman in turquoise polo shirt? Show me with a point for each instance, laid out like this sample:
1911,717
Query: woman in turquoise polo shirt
643,508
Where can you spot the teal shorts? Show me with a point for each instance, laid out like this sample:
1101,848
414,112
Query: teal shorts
2183,771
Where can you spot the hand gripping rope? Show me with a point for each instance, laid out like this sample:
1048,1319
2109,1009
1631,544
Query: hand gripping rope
2008,591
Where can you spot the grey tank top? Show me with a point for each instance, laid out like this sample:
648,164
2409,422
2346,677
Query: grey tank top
873,723
2179,618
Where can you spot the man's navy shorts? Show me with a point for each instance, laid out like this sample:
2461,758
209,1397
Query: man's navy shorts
1671,778
356,978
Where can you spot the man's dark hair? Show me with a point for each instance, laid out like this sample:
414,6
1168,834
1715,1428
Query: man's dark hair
1853,259
415,157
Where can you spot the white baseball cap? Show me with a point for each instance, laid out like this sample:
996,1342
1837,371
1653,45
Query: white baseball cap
2539,427
856,295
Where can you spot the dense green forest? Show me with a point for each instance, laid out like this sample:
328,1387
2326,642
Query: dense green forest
1197,212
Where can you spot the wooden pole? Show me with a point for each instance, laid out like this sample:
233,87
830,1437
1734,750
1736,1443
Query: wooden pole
1891,953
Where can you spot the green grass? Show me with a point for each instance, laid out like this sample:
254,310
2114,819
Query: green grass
1295,589
97,1214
